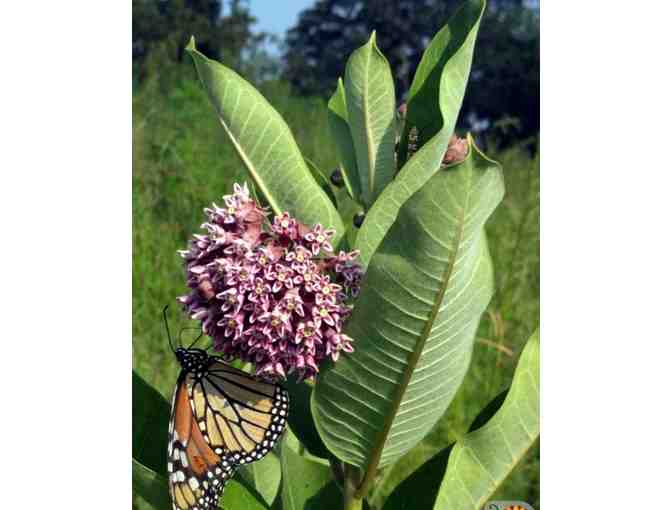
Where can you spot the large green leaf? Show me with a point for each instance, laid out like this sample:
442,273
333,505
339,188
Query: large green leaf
369,92
415,320
237,496
452,46
433,106
306,482
340,133
265,145
264,476
151,413
421,488
482,460
150,486
301,419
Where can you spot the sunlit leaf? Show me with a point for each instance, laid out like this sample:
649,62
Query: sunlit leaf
415,320
369,93
265,145
421,488
433,107
482,460
306,481
264,476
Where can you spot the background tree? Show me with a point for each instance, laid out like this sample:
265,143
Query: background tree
504,89
161,29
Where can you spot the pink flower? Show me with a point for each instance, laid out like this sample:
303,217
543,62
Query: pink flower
271,293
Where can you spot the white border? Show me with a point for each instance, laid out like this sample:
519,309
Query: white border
65,201
606,255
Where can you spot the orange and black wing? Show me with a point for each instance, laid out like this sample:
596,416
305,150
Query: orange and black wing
196,474
238,413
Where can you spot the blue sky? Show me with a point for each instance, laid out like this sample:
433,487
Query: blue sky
276,16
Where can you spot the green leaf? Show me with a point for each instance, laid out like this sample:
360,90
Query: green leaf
321,180
150,486
415,320
369,92
265,145
451,51
237,497
434,103
337,115
306,482
482,460
489,411
151,413
263,476
421,488
301,419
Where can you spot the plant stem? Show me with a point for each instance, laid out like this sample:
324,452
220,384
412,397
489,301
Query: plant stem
351,482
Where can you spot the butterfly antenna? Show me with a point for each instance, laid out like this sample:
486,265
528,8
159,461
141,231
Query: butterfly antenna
165,320
197,338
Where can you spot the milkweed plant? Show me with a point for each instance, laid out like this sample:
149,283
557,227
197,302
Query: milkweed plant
360,292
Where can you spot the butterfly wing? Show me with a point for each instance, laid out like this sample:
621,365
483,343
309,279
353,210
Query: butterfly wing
238,413
196,474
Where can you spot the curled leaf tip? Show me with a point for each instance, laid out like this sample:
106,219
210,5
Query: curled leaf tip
191,45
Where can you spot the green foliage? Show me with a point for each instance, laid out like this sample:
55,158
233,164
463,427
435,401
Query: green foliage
301,420
265,145
308,484
437,94
425,289
264,477
370,102
480,461
504,88
387,408
457,476
340,133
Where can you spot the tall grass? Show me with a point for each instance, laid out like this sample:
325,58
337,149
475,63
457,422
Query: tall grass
182,162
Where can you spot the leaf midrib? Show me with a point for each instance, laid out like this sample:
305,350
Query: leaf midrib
367,122
258,181
414,357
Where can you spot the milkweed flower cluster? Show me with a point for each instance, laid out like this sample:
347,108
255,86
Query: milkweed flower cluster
271,293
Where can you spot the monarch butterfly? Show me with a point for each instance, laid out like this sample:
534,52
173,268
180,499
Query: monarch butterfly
221,418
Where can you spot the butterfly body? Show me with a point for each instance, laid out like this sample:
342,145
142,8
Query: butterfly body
221,418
